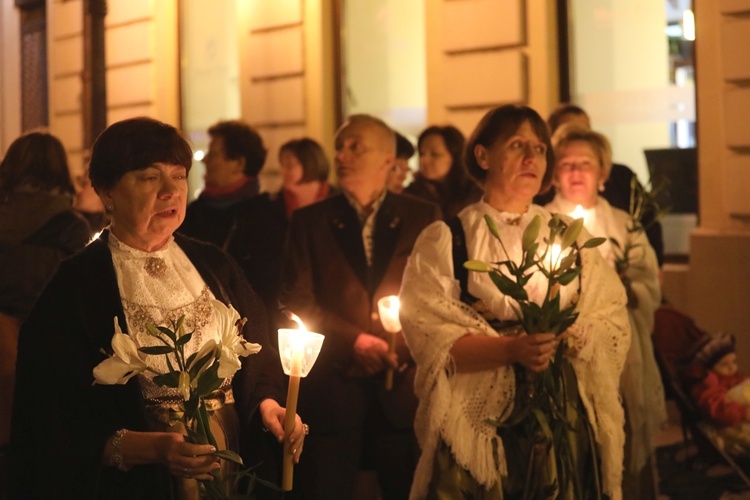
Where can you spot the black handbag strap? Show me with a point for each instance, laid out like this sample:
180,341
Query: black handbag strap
460,255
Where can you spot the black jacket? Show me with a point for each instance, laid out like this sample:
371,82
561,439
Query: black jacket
61,421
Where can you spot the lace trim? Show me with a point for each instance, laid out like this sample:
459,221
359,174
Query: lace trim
198,315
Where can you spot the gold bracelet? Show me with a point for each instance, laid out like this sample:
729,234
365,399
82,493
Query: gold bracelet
116,457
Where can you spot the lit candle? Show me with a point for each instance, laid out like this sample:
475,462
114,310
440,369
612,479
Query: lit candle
298,349
553,254
579,212
388,308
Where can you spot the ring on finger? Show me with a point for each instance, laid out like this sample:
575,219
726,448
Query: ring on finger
306,428
186,473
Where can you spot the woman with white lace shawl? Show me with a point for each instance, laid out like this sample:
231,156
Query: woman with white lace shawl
584,160
465,376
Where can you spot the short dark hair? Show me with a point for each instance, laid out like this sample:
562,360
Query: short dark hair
36,160
454,141
135,144
498,125
404,147
241,141
563,109
315,166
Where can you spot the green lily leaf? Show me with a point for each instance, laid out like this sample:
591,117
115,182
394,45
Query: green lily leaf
569,276
477,266
492,226
615,243
184,339
531,253
567,261
543,423
170,379
571,233
169,333
156,350
594,242
508,286
531,233
229,455
209,381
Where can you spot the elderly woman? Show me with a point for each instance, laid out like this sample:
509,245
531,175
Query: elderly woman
442,177
75,439
584,161
465,373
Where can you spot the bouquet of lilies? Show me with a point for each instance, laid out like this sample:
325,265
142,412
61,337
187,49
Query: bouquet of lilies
540,431
195,376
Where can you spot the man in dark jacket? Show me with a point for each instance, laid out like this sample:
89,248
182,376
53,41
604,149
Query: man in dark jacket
342,255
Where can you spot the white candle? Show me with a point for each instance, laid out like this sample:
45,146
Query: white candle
389,309
298,348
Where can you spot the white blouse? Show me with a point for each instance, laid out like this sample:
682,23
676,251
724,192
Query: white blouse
159,287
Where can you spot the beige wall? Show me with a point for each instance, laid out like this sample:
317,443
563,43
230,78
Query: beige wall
286,74
10,75
719,275
141,60
485,53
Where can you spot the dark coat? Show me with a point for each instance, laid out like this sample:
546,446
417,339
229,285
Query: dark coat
328,284
450,199
37,231
61,421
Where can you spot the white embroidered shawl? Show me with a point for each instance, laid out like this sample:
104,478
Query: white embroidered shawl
640,383
455,407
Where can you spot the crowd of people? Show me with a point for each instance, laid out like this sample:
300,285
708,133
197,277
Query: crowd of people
132,253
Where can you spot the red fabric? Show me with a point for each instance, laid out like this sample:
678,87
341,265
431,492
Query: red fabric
291,203
710,396
675,334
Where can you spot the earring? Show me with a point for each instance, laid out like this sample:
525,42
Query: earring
110,207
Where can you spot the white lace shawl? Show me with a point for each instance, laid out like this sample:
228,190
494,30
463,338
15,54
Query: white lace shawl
455,407
640,383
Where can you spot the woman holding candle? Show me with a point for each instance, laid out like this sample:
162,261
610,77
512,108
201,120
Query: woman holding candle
465,375
95,441
584,161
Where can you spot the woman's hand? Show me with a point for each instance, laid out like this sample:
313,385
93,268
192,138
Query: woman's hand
534,351
273,418
186,459
183,459
371,354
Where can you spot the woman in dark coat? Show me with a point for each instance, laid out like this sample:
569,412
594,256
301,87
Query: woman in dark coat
38,228
71,438
442,177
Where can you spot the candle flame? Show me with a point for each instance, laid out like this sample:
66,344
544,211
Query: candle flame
580,212
297,320
553,254
394,305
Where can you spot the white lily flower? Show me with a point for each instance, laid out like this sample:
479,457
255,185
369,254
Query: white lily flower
126,362
233,345
207,348
184,385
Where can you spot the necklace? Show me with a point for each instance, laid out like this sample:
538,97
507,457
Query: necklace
155,267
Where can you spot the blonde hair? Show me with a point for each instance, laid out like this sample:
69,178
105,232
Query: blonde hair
570,132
